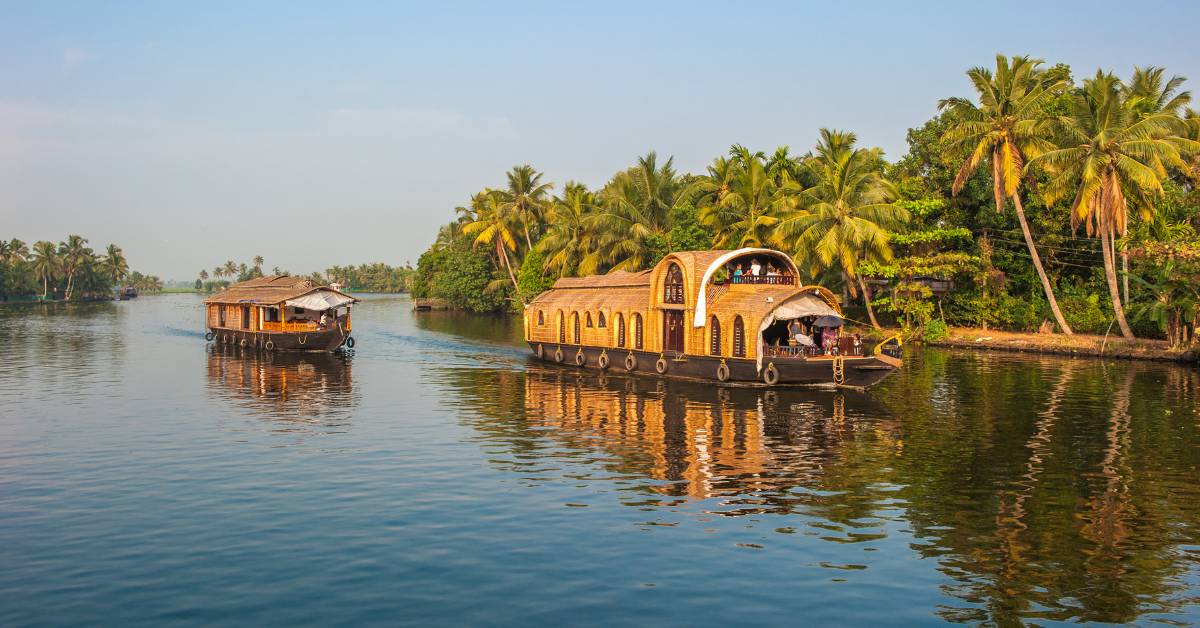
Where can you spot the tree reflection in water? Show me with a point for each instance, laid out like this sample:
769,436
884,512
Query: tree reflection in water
1045,488
301,392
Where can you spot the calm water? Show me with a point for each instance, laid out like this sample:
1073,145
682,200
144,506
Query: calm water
438,476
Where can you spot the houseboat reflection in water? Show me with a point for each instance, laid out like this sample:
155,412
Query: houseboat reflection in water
292,388
749,445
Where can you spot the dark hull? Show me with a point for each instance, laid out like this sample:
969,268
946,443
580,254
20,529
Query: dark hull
326,340
859,372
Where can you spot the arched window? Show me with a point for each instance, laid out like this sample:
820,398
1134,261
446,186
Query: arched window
600,320
673,286
541,318
575,327
714,335
562,328
739,338
589,320
621,330
637,332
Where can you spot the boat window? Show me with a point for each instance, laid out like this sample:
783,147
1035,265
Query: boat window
637,332
714,336
220,315
620,330
575,327
739,338
589,319
541,318
673,287
600,320
272,314
562,328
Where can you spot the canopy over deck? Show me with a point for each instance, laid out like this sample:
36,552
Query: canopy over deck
278,290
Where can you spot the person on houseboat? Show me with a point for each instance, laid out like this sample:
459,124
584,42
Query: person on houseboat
324,320
737,273
755,267
798,336
829,339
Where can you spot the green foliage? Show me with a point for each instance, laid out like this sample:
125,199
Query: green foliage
1086,313
459,274
531,278
936,330
377,277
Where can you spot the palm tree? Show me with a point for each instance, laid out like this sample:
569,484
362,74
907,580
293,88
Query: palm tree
231,268
636,207
203,275
1009,128
567,240
525,197
494,226
114,265
13,252
781,167
1111,155
45,263
847,216
258,263
748,211
74,254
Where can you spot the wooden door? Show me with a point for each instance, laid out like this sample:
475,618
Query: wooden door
245,317
673,331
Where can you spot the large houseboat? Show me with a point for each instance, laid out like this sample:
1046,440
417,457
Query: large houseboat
730,316
283,313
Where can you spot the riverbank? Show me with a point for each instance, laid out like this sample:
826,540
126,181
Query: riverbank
1058,344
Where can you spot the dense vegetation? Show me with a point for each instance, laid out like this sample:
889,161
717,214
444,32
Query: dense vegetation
375,277
1042,202
69,270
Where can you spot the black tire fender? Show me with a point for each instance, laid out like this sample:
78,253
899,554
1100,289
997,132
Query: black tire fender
722,372
580,358
209,336
771,375
631,362
270,345
558,355
349,342
602,361
661,366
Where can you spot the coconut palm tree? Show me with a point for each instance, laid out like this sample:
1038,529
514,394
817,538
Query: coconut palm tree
231,268
781,167
1112,156
74,254
45,263
636,208
14,251
203,275
567,240
526,197
258,264
847,217
114,264
494,226
1008,127
748,211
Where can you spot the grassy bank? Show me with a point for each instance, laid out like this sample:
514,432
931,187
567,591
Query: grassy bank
1058,344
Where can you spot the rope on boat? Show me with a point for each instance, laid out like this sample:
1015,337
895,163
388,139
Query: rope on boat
839,369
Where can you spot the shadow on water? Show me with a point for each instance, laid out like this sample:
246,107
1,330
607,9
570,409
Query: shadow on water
1043,488
296,391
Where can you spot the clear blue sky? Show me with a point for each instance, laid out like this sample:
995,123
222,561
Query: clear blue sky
322,133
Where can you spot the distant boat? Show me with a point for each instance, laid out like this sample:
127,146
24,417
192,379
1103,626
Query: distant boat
691,317
280,312
127,293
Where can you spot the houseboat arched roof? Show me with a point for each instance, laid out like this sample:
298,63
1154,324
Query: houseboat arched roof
277,289
717,259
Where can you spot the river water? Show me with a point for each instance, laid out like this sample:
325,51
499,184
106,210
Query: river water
438,476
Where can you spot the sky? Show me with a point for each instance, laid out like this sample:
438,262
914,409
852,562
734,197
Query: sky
329,133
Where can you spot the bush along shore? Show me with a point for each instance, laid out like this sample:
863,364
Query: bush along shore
1037,201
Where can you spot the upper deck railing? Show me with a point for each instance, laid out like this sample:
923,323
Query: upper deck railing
770,280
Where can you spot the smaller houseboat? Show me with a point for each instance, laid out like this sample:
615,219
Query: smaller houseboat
282,313
729,316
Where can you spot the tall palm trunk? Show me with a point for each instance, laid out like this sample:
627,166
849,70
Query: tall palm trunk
507,266
1110,274
45,285
70,280
1037,264
866,292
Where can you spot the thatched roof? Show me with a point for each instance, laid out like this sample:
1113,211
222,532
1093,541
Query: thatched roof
269,290
619,278
755,300
610,299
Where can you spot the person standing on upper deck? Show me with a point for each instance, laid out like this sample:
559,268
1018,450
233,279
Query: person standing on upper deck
755,267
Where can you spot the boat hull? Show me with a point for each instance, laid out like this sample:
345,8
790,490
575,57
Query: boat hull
858,372
325,340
